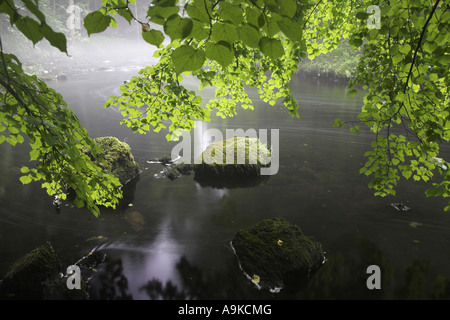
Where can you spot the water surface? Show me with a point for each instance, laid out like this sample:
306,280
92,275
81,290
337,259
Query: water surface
171,239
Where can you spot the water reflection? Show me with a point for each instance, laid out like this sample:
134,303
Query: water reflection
343,276
170,239
110,283
230,183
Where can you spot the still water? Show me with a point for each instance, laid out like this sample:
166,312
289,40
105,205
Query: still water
170,239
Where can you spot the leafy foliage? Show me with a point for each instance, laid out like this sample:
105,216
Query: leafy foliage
231,45
57,139
405,70
340,63
34,30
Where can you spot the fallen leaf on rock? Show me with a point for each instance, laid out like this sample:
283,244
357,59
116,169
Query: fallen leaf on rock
255,279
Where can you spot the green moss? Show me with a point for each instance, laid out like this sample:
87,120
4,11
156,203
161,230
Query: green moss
278,252
253,161
25,278
119,160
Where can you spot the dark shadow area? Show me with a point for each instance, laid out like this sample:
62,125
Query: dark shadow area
110,283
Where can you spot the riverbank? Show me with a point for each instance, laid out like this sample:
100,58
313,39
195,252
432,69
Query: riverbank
339,64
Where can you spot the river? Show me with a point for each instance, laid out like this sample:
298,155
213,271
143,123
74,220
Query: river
171,239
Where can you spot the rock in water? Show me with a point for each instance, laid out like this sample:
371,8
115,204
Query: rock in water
277,253
26,277
120,162
37,276
136,220
215,163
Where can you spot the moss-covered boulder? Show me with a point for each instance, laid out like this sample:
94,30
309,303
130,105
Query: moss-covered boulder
213,162
119,159
276,254
40,275
37,276
26,278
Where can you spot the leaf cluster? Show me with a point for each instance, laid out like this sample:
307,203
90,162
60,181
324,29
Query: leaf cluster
58,142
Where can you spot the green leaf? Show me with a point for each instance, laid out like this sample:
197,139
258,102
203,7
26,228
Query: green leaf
445,59
272,48
154,37
291,29
199,31
125,13
158,14
224,31
429,46
56,39
252,16
30,29
356,42
271,28
96,22
288,7
8,7
220,52
24,169
198,11
433,77
187,58
249,35
229,12
405,49
25,179
33,8
362,15
407,174
178,28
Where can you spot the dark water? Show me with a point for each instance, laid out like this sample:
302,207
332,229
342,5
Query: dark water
170,239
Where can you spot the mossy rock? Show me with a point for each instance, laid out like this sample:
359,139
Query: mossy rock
37,276
119,159
26,277
276,254
61,76
250,166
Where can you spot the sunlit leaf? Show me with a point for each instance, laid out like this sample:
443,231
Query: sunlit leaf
187,58
96,22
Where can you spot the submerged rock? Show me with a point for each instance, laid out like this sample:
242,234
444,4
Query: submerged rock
61,76
177,170
167,159
399,206
119,160
214,162
25,279
276,254
173,169
38,276
136,220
